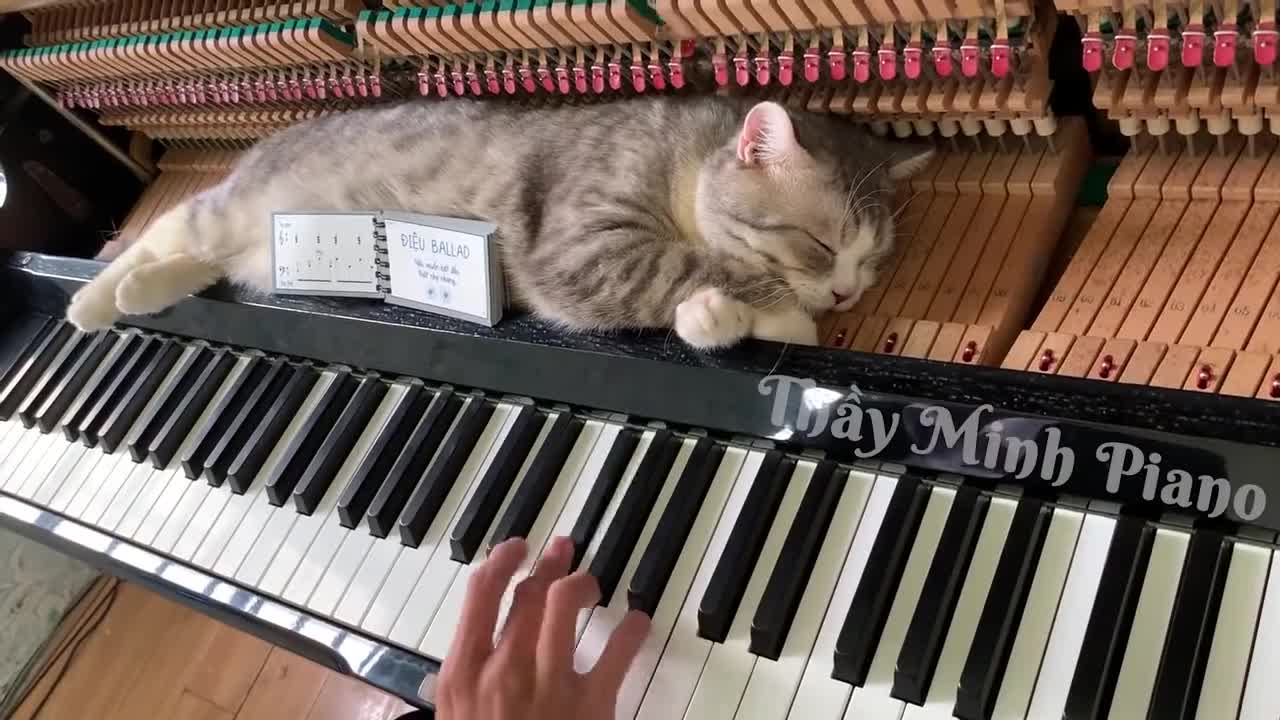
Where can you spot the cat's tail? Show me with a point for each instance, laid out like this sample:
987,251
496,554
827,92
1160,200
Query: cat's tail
155,272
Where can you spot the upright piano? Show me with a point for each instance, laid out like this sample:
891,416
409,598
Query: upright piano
1034,473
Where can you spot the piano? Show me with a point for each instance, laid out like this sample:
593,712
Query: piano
1031,474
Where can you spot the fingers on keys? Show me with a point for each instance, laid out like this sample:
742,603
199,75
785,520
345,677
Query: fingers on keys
474,640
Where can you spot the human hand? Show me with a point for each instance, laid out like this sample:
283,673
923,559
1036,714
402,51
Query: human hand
530,672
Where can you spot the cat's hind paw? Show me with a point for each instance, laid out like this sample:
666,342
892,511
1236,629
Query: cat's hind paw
91,310
711,319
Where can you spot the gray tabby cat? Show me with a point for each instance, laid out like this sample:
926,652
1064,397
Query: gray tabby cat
707,215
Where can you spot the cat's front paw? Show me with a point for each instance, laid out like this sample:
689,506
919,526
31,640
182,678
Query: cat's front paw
787,326
91,310
711,319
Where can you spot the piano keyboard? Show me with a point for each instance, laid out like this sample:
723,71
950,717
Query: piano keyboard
780,586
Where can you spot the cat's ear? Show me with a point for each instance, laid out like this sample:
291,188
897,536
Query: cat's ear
907,160
766,136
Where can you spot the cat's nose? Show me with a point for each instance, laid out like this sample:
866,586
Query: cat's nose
838,297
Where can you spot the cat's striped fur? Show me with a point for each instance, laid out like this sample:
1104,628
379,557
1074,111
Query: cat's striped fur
706,214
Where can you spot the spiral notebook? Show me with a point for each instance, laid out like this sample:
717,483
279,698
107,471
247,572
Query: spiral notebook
448,266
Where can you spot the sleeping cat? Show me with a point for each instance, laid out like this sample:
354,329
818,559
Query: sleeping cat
711,216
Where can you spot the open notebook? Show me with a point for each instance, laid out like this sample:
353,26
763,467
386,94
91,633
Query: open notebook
442,265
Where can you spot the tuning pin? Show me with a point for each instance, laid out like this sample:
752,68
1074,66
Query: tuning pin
1224,46
835,64
969,54
861,65
1192,46
890,342
1264,43
970,350
1046,360
1107,367
1204,377
942,58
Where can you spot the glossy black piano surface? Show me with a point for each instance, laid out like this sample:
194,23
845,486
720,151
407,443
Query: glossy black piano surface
1056,463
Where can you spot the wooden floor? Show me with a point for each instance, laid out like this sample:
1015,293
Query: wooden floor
142,656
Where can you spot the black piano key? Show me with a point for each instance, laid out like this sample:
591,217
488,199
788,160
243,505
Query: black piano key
257,402
174,433
131,371
669,536
71,351
527,503
221,416
742,549
998,625
623,533
1107,634
73,382
302,448
266,432
922,645
1195,617
602,489
138,394
796,559
477,517
860,634
338,444
411,460
98,383
174,387
29,350
425,501
27,371
377,462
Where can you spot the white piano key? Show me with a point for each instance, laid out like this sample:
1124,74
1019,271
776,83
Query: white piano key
172,481
347,562
319,536
410,562
605,619
674,595
1054,682
35,447
439,634
372,574
424,600
820,695
685,654
97,493
1261,691
84,469
42,467
71,456
774,684
213,502
1037,615
1224,674
873,700
135,495
10,432
941,699
185,514
1150,624
606,519
728,667
230,544
552,508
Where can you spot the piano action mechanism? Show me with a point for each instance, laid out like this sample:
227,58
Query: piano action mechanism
1096,541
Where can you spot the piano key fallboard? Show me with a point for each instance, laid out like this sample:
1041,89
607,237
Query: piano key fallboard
344,506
